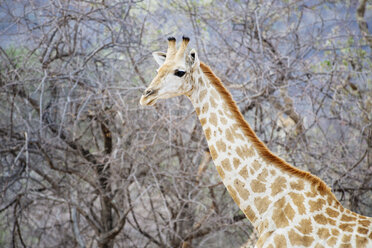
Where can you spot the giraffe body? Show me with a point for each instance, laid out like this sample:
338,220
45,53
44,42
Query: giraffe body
287,206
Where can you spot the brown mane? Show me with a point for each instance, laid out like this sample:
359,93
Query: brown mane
259,145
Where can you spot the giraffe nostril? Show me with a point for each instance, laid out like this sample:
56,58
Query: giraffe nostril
148,92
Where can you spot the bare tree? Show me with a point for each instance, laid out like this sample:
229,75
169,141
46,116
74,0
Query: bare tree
82,165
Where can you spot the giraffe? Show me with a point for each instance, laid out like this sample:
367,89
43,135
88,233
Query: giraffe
287,206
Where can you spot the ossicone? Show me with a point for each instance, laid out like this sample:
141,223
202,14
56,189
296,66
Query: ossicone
185,38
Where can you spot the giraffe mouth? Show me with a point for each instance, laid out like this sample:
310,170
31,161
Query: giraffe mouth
148,100
151,102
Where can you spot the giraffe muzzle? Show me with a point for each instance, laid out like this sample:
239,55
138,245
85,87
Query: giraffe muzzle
146,99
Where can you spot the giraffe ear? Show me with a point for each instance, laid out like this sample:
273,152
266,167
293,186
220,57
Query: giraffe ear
193,59
159,57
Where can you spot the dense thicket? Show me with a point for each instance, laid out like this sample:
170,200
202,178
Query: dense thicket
83,165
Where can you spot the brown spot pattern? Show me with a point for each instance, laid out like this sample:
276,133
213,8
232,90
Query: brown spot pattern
365,223
250,214
331,221
215,94
205,108
346,246
361,242
300,240
244,173
213,102
213,119
281,213
226,164
208,133
233,194
257,186
263,175
229,135
346,238
278,185
202,94
279,241
223,120
331,201
221,146
332,213
236,163
239,186
243,151
319,246
262,203
251,152
197,110
221,172
227,111
346,227
213,152
262,226
256,165
305,226
298,200
289,212
316,205
323,233
335,232
262,239
297,186
235,133
347,218
320,219
313,193
332,241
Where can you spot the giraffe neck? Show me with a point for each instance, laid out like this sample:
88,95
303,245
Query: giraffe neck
259,182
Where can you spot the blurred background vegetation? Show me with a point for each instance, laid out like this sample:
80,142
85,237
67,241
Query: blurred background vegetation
83,165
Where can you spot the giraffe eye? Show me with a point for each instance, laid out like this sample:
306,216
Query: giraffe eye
179,73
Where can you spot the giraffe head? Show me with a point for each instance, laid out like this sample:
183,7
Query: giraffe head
175,74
